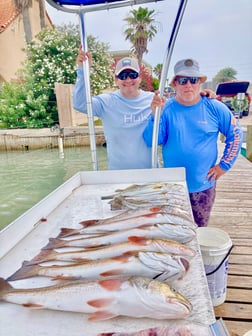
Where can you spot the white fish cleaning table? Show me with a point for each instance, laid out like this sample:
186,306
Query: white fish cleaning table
78,199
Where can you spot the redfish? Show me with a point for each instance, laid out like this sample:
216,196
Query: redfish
133,245
179,233
90,227
163,266
148,189
104,299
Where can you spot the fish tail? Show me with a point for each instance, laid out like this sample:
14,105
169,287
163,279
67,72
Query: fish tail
4,286
54,243
66,232
26,271
43,256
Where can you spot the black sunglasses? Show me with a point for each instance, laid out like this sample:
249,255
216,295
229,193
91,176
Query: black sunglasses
125,75
184,80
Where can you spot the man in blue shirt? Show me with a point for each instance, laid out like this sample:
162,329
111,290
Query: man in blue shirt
188,132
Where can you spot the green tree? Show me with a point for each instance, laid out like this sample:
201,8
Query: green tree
31,101
224,75
141,29
158,70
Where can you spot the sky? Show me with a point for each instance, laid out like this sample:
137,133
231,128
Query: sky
216,33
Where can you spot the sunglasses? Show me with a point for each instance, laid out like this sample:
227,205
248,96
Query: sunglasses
184,80
125,75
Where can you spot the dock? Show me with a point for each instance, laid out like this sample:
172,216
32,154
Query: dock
232,212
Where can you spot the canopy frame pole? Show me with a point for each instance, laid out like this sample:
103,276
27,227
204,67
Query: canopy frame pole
98,7
86,74
164,73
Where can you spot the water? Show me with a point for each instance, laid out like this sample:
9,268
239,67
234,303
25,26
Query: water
27,177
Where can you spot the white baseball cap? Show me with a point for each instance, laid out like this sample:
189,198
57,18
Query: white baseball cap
127,63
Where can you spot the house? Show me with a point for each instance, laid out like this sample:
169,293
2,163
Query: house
118,54
17,27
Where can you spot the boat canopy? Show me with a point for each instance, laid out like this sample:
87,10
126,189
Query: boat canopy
75,6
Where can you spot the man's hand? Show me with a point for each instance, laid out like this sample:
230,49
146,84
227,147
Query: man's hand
215,173
208,93
83,56
157,101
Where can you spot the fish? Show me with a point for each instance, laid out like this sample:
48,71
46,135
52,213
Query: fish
133,245
147,189
166,215
122,203
136,297
179,233
155,331
163,266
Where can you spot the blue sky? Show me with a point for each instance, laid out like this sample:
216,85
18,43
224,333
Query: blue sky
217,33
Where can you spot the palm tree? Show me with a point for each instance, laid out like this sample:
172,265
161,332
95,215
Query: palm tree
141,29
158,70
42,14
225,75
24,5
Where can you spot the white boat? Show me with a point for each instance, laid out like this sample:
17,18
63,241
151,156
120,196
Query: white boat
77,199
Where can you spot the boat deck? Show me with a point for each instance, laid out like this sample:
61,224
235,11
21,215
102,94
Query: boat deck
232,212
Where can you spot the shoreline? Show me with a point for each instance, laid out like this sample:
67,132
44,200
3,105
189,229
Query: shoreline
30,139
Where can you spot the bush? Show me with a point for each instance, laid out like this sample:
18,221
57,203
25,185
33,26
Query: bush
30,102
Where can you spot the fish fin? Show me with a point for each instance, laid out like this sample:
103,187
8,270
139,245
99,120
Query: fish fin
99,303
130,253
143,226
122,258
101,316
25,271
66,232
43,256
54,243
111,284
4,285
137,240
32,305
89,222
156,209
112,272
186,264
65,277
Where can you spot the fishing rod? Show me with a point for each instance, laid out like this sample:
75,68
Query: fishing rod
164,73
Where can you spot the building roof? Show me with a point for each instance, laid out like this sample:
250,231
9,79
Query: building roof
8,13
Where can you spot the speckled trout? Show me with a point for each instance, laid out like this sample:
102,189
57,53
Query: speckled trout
158,265
104,299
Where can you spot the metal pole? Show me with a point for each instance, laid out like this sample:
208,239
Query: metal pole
164,73
86,72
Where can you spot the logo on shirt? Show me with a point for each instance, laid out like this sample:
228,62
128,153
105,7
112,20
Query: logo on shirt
133,119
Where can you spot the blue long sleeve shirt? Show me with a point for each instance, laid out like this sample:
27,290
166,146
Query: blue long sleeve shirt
189,134
124,120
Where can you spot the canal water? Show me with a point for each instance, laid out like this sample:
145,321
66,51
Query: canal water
27,177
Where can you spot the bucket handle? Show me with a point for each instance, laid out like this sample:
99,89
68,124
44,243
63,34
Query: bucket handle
218,267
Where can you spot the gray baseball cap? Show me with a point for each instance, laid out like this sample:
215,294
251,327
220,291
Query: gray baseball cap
188,68
127,63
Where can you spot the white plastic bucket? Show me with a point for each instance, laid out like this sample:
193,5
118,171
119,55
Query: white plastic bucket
215,245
